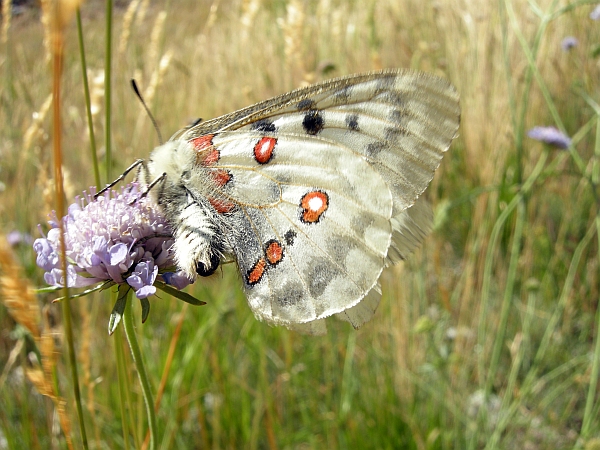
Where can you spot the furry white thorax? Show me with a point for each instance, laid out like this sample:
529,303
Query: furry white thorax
182,198
173,158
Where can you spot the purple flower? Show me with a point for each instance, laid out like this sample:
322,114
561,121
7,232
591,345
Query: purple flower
550,136
568,43
595,14
118,238
142,279
178,280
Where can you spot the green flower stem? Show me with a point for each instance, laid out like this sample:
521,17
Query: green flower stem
588,416
118,342
88,105
107,90
141,370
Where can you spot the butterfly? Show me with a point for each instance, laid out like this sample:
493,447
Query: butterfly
312,193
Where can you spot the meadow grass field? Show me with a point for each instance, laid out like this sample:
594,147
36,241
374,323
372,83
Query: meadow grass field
487,338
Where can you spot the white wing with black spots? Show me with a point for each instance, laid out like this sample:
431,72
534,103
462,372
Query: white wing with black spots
316,191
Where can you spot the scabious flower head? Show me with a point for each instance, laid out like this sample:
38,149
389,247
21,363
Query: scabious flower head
568,43
595,14
117,238
550,136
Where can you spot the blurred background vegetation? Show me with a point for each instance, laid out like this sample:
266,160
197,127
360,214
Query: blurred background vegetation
486,338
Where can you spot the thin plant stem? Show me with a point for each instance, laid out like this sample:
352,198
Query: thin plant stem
141,369
108,89
489,257
88,103
168,364
57,66
118,342
508,295
586,427
531,382
487,276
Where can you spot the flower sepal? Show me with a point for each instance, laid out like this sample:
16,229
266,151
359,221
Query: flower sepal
48,290
184,296
117,312
145,308
98,287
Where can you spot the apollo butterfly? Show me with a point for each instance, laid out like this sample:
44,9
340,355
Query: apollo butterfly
312,193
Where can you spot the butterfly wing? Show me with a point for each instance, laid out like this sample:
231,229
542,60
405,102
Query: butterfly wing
323,185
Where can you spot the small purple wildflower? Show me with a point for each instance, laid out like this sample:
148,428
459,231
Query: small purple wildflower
15,238
119,238
595,14
550,136
568,43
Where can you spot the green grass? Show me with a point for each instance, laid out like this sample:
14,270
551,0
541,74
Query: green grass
486,338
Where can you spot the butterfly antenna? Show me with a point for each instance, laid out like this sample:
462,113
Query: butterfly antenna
154,123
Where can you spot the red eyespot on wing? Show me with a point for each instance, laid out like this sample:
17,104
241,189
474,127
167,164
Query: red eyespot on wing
221,206
203,142
255,274
206,153
274,252
220,176
208,158
313,205
263,150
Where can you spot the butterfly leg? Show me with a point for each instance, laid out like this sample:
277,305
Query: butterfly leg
140,162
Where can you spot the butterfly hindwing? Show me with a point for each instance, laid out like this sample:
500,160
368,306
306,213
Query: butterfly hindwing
318,251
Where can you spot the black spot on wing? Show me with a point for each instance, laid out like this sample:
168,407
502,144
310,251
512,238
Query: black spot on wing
375,148
385,84
342,96
398,116
264,126
313,122
393,98
290,294
352,122
320,276
305,104
289,237
392,134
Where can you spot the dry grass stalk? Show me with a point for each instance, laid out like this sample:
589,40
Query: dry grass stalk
212,16
48,187
293,27
6,17
10,362
42,379
35,131
141,14
45,19
155,37
96,91
150,91
56,14
17,294
20,300
249,10
126,31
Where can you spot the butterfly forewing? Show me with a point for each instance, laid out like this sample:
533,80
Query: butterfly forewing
321,185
